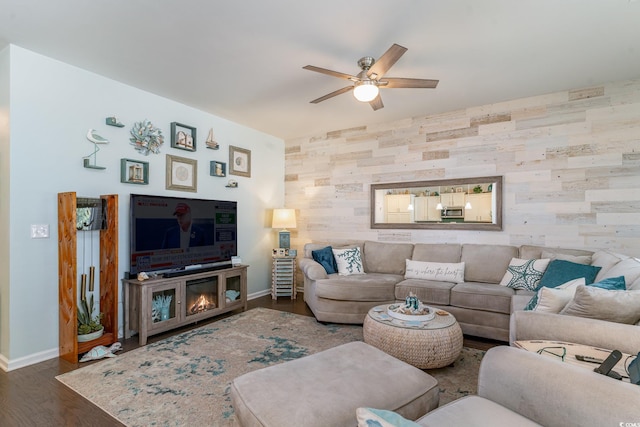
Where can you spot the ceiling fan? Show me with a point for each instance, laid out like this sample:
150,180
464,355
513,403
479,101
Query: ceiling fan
366,83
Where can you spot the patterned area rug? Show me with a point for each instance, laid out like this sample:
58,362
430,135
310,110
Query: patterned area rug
184,380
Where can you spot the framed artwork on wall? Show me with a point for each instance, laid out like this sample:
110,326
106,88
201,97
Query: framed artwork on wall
239,161
217,168
182,174
134,171
183,136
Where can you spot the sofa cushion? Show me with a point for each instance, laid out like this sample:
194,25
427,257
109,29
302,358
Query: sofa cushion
349,261
427,291
365,287
325,258
482,296
441,271
559,272
597,303
578,259
524,273
531,251
437,252
486,263
606,260
386,257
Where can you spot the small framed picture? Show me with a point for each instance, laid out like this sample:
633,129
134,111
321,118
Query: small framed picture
459,190
239,161
182,174
134,171
183,137
217,168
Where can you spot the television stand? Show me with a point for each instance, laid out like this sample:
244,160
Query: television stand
158,305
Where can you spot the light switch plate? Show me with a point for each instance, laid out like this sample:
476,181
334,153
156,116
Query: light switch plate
39,231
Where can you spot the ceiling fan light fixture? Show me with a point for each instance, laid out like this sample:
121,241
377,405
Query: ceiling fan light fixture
366,91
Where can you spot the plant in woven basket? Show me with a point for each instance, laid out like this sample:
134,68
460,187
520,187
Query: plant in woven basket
87,323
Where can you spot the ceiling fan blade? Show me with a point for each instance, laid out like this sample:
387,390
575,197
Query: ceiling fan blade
332,94
386,61
331,73
376,104
400,82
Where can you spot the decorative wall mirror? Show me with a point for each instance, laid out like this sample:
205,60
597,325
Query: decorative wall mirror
450,204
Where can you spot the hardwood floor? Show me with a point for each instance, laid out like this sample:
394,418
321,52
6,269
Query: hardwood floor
31,396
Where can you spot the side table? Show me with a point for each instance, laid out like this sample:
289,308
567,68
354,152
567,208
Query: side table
283,277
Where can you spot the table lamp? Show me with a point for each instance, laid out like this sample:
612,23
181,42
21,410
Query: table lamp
284,218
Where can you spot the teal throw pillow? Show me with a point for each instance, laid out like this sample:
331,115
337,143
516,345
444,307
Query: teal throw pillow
325,258
612,284
559,272
369,417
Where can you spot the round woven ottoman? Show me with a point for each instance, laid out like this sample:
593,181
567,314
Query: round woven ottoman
425,345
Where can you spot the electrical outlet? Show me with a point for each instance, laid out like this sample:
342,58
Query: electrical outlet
39,231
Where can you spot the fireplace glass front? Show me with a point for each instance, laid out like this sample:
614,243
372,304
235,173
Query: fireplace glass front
202,295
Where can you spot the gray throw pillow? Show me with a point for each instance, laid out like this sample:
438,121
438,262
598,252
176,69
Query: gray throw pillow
603,304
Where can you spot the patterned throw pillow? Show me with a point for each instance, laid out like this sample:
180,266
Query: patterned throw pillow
349,261
369,417
524,273
440,271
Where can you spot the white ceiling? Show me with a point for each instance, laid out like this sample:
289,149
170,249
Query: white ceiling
242,60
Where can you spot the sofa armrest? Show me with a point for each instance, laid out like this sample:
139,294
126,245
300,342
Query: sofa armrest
312,269
536,325
553,393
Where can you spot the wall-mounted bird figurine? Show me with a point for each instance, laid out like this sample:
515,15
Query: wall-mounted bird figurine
92,135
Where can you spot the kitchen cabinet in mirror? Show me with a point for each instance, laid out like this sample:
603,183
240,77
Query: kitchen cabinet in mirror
462,204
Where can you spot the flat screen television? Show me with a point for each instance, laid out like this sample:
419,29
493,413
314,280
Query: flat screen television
174,233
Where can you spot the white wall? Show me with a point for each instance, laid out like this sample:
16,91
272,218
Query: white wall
52,107
5,253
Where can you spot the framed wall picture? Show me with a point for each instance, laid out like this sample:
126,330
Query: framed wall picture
217,168
183,136
239,161
134,171
182,174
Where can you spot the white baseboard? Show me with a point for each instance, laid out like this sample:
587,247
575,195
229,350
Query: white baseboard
259,294
10,365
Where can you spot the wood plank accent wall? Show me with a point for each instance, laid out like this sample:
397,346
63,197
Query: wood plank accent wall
571,162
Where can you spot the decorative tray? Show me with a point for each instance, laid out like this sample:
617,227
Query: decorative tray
400,311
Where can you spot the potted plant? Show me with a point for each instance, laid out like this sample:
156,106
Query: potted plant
89,326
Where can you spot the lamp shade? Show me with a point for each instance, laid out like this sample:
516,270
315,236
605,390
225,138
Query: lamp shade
284,218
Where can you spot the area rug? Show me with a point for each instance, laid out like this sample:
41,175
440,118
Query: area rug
184,380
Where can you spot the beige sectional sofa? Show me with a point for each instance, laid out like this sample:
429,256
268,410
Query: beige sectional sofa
480,304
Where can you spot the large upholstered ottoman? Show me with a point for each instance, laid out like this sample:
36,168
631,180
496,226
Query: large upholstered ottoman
326,388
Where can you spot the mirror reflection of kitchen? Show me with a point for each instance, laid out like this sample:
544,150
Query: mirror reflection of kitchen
470,203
